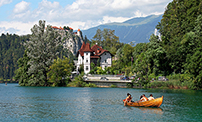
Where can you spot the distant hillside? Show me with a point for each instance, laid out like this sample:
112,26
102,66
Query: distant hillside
136,29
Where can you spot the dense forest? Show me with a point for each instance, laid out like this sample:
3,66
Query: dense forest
11,49
176,54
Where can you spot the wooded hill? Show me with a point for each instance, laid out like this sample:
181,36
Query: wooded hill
11,49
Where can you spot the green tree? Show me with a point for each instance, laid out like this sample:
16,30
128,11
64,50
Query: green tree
156,56
138,49
100,70
194,59
42,50
60,72
178,20
21,74
93,68
127,54
107,39
141,64
11,49
97,38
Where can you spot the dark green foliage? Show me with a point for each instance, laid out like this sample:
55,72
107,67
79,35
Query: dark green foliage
93,68
78,82
11,49
129,85
181,34
59,72
178,20
21,75
81,69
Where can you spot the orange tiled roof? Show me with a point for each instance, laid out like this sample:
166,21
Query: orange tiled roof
98,49
81,49
55,27
95,48
87,48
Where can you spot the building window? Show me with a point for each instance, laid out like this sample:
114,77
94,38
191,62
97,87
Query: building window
105,53
105,61
86,61
87,68
86,53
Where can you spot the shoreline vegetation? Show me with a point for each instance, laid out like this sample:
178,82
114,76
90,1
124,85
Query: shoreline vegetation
153,85
177,82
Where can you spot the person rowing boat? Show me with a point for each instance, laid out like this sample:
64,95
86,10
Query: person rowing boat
128,99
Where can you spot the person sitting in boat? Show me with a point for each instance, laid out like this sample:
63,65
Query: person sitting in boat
143,98
151,97
128,99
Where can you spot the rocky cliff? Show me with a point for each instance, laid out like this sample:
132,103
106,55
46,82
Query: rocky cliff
71,40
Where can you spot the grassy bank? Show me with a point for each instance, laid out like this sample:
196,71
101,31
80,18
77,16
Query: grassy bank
79,82
171,84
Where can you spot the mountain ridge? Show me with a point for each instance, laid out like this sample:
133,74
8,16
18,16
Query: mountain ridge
136,30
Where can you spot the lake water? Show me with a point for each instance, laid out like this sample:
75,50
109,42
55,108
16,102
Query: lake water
94,104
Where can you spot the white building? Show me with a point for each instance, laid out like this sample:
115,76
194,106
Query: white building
88,54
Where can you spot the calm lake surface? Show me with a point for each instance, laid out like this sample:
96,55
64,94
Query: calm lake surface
94,104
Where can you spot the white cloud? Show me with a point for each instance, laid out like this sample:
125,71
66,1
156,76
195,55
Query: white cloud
84,14
3,2
16,27
21,7
107,19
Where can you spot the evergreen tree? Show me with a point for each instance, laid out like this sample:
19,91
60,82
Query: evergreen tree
21,74
11,49
42,50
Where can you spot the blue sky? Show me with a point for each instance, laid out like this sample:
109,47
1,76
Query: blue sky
7,9
19,16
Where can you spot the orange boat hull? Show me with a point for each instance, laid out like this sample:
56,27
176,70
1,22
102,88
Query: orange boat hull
151,103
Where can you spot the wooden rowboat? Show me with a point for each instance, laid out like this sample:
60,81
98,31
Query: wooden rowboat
151,103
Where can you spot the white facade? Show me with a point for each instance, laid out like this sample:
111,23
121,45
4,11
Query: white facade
106,60
86,55
86,62
80,62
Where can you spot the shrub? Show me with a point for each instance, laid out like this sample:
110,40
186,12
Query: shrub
91,85
113,86
129,85
78,82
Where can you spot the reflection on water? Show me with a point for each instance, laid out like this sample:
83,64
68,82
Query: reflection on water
94,104
151,110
